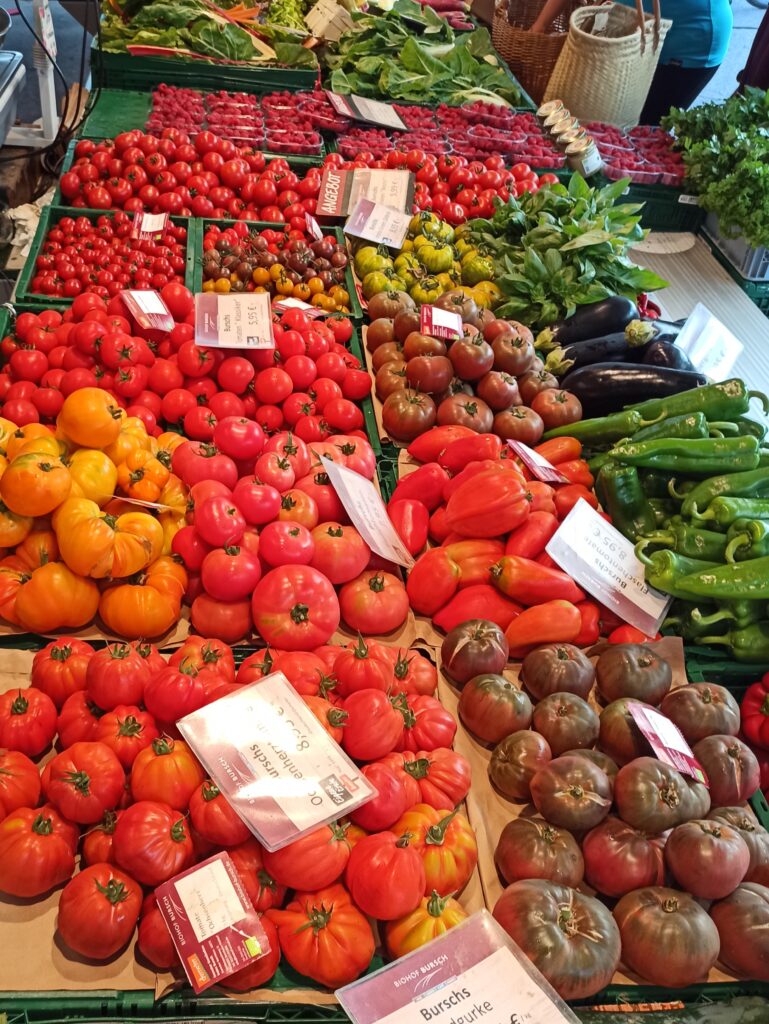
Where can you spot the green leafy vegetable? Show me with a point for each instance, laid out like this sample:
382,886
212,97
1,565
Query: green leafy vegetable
726,156
383,57
562,247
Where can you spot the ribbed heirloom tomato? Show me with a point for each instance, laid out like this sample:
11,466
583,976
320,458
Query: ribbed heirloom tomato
295,608
27,721
167,772
19,782
59,670
37,851
152,842
214,819
98,911
316,859
84,781
154,939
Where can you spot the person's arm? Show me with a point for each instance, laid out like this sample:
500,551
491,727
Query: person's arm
548,14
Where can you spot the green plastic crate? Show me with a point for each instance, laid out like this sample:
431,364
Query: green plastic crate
122,71
367,405
356,313
116,111
50,217
663,209
708,665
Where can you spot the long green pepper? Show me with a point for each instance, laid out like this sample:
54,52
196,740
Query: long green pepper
620,492
749,645
603,429
724,401
737,579
750,484
747,538
693,426
725,511
665,568
701,456
689,541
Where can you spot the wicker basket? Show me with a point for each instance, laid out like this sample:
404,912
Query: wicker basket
530,56
606,76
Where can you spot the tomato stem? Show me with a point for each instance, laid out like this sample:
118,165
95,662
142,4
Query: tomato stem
210,790
163,745
300,613
80,780
42,826
436,834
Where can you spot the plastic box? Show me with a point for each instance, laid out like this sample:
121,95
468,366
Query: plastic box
756,291
12,74
51,216
749,262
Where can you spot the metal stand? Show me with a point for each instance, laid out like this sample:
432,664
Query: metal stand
44,131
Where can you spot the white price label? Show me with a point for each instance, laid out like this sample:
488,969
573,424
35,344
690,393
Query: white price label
475,973
372,111
689,200
709,344
341,189
440,323
340,104
274,762
243,320
148,309
46,30
377,223
537,464
365,507
149,226
313,228
603,563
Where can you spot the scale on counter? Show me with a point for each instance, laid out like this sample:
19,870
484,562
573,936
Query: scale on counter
12,72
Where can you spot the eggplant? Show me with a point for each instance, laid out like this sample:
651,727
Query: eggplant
667,330
594,321
610,348
604,388
665,353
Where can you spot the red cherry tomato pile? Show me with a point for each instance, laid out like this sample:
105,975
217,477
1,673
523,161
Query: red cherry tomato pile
493,520
206,176
149,812
84,254
309,383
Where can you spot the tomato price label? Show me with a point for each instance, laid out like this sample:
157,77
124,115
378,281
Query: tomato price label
440,323
148,310
537,464
313,228
363,504
667,741
274,762
340,190
359,108
603,563
378,223
475,973
289,302
212,922
149,226
243,320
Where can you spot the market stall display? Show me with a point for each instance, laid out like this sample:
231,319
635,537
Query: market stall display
270,478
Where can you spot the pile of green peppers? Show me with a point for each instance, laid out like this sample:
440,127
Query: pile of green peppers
687,480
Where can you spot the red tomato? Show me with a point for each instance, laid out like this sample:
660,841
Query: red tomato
263,891
126,730
116,675
84,781
359,667
315,860
340,552
98,841
59,670
219,521
374,602
214,819
37,851
286,543
374,724
19,782
259,502
389,803
78,719
98,911
386,876
28,720
166,771
152,842
295,607
208,653
154,939
429,726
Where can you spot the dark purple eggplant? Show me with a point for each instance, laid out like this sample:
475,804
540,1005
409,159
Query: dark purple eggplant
667,330
611,348
665,353
595,320
604,388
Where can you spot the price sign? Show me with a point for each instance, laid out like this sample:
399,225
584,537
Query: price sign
371,111
440,323
289,302
340,190
667,741
313,228
148,310
377,223
537,464
150,227
689,200
212,922
45,27
603,563
474,973
274,762
365,507
243,320
709,344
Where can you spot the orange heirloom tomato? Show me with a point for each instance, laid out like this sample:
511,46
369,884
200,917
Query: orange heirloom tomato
125,443
325,937
167,772
90,417
174,494
434,916
330,717
142,476
13,528
42,446
171,523
446,842
168,441
37,548
55,598
298,507
94,543
11,579
15,441
34,485
94,475
148,605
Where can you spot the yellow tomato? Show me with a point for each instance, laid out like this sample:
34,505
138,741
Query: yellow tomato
91,418
94,476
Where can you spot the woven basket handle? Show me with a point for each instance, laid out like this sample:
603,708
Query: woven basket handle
642,21
657,16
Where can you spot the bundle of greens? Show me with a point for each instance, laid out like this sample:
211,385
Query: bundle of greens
192,25
726,155
562,247
410,53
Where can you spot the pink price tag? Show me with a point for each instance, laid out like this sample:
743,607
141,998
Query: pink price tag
313,228
667,741
212,922
149,226
536,464
148,310
291,303
340,104
440,323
